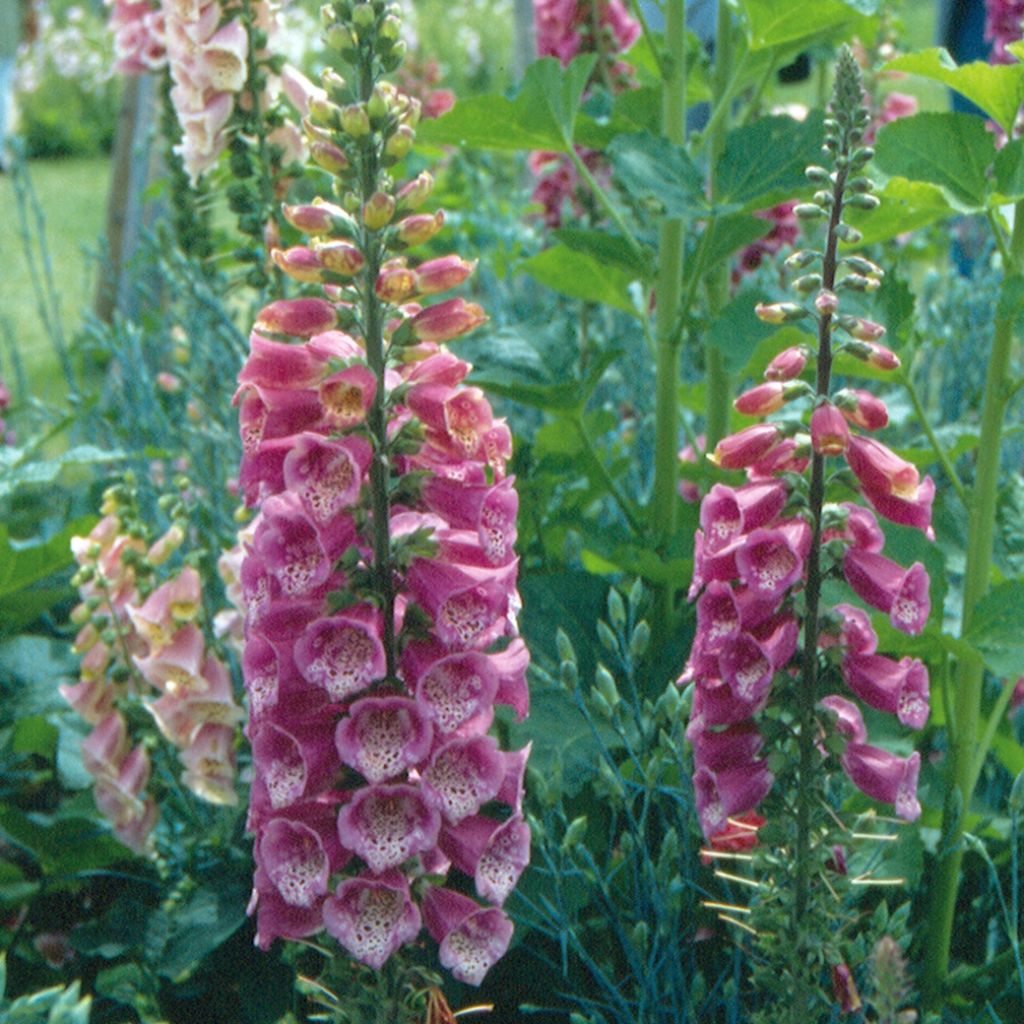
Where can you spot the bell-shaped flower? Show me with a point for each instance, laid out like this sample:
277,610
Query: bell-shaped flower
463,775
493,853
300,318
92,699
914,511
177,668
829,432
848,720
855,631
169,606
458,690
771,560
294,857
887,586
209,761
880,471
384,736
386,825
292,762
372,916
341,654
721,794
885,777
326,475
897,687
472,938
742,449
346,396
727,513
719,749
106,746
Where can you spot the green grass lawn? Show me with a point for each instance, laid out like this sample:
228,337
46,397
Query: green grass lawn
70,206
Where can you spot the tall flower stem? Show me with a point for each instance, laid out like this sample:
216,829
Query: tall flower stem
668,290
965,753
377,417
719,392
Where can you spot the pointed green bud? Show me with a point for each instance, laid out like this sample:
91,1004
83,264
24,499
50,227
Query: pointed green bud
807,284
616,609
863,201
640,640
801,258
604,684
818,175
809,211
606,636
564,646
847,233
859,283
363,16
575,832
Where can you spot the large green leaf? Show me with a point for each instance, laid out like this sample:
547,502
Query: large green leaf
18,468
997,88
541,115
22,564
777,22
610,249
657,175
952,151
62,846
997,629
724,236
905,206
764,162
581,276
736,331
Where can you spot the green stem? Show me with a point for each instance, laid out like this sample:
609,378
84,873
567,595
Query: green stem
602,197
668,289
377,417
719,389
625,505
966,754
940,452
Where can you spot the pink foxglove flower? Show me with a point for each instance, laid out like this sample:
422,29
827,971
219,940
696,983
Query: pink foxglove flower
379,580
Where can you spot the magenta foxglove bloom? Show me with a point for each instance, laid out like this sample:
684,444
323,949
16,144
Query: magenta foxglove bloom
898,687
885,777
472,938
887,586
372,916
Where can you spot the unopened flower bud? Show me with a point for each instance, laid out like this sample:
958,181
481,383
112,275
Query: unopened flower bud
363,15
862,408
395,284
314,220
355,121
829,432
878,356
378,106
860,185
807,284
848,234
399,145
761,400
818,175
826,302
340,258
863,201
378,211
780,312
415,193
328,156
420,227
742,449
787,365
390,29
323,113
447,320
809,211
441,274
299,263
801,258
863,266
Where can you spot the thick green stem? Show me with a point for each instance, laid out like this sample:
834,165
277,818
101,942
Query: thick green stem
966,754
806,792
667,294
718,387
377,417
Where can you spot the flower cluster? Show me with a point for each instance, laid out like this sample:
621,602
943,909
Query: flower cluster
784,231
207,52
380,578
565,29
1003,21
764,546
139,30
137,638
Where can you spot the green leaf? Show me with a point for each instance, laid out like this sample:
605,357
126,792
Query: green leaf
724,236
541,115
953,151
581,276
22,564
736,331
207,919
657,175
17,469
121,928
774,22
997,629
14,888
62,846
609,249
34,735
764,162
905,206
997,88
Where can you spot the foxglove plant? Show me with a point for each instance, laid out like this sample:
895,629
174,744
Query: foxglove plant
140,642
380,579
768,658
